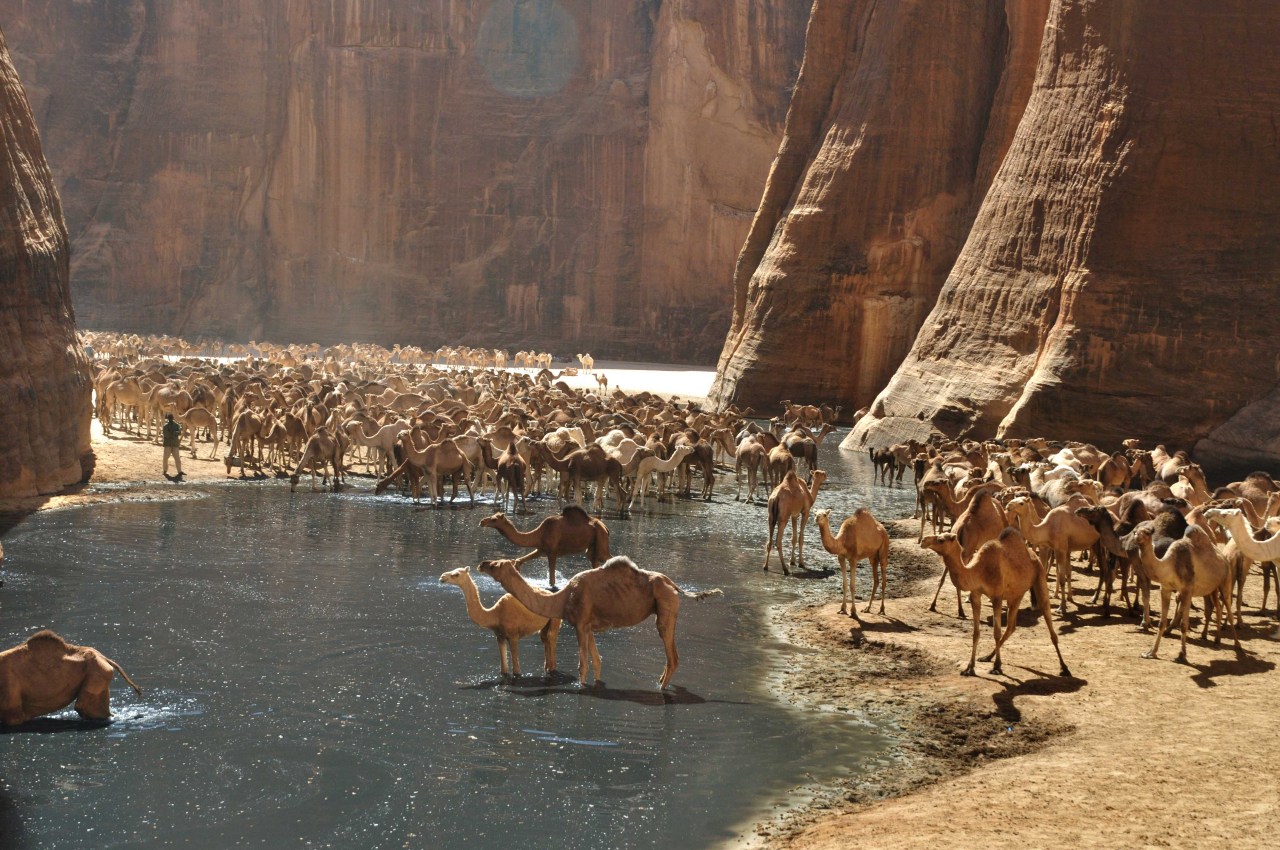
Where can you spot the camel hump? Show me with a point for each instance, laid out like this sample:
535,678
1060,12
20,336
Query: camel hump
45,637
620,562
1009,533
575,512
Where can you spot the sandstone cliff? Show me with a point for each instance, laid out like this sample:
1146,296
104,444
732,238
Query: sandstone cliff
570,174
1120,277
900,117
44,375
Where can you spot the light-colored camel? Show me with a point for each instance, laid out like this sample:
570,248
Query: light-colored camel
860,536
663,468
572,532
1061,532
1233,521
612,596
198,417
790,500
1192,567
1002,570
45,674
586,360
508,620
324,448
383,439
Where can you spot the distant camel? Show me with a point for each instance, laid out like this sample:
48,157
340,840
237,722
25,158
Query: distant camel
790,500
860,536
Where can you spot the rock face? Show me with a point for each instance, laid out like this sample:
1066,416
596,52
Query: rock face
567,174
901,115
44,375
1120,278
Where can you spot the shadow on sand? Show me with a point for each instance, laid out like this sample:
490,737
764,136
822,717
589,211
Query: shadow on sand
1045,684
1243,664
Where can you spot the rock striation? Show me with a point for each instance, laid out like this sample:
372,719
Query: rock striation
44,374
563,174
1013,218
1120,277
901,115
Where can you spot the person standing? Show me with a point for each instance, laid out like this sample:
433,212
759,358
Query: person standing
172,444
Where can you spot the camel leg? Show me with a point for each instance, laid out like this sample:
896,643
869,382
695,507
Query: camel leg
551,570
804,522
584,639
1047,613
595,656
1063,578
933,606
667,631
1164,609
514,646
975,602
550,635
768,548
502,654
1184,616
1000,635
880,565
847,599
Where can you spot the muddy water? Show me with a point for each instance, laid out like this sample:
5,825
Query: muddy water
309,682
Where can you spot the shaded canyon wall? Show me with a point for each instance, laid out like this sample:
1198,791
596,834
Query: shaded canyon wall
566,174
44,375
1014,218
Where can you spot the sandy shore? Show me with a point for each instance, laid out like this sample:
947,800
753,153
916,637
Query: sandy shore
1126,753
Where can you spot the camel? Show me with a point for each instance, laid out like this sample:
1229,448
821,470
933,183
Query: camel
1233,521
45,674
508,620
1060,532
199,417
589,464
982,521
511,474
860,536
615,595
1111,550
1192,566
383,439
434,462
322,448
1003,570
586,360
572,532
884,463
663,468
791,501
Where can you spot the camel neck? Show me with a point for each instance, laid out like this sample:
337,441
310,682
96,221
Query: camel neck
549,605
956,569
479,614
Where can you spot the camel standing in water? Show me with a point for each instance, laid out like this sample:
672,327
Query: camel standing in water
613,596
572,532
508,620
791,501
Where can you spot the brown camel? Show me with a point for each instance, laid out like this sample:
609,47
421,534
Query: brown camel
1003,570
45,674
508,620
434,462
1060,532
982,521
1193,567
791,501
572,532
324,448
615,595
860,536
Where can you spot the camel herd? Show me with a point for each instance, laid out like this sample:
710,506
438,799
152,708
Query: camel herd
1020,508
1001,516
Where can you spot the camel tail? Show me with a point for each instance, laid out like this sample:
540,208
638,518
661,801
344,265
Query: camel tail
137,690
701,594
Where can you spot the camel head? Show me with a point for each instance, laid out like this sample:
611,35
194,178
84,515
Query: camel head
455,576
940,542
1222,515
499,569
823,517
817,479
495,521
293,483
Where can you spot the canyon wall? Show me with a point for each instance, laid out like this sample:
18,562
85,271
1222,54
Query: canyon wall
44,375
561,174
1120,279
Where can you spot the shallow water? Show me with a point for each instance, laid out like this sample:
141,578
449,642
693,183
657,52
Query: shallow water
309,682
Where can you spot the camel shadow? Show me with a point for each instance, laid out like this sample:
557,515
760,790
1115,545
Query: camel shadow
561,683
1045,684
1243,664
806,574
888,624
54,725
12,832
